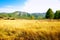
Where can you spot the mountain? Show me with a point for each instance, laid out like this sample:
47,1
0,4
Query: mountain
39,15
22,15
25,14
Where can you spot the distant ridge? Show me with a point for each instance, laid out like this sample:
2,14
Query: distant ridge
23,15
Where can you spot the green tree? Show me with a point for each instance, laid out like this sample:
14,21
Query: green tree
49,14
57,14
32,17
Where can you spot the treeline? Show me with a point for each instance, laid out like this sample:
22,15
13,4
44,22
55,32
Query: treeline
51,15
24,15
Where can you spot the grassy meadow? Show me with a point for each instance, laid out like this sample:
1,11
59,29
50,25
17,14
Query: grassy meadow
29,29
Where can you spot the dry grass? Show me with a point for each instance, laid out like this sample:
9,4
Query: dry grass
29,30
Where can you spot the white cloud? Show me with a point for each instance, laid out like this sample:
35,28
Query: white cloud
41,5
33,6
10,8
7,9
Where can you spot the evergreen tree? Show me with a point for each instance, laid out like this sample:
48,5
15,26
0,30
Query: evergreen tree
49,14
57,15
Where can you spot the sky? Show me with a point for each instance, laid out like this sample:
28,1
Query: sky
30,6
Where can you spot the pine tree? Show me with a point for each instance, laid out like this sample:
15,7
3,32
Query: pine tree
49,14
57,15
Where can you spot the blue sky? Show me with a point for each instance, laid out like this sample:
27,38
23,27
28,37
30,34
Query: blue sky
11,2
29,5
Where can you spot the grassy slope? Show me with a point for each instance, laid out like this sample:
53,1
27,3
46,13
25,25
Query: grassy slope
29,30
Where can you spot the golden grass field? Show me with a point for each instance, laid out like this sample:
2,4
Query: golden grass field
29,30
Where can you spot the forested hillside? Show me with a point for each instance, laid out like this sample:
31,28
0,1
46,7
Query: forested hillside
22,15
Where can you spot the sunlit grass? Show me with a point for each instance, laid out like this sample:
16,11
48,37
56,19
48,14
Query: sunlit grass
29,30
